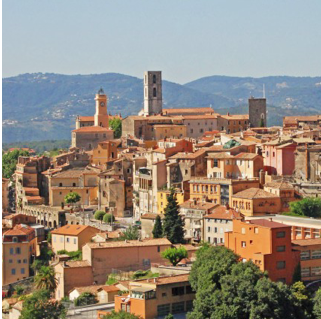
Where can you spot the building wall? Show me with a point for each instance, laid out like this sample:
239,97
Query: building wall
257,111
195,128
103,260
89,141
169,131
162,200
214,229
260,244
11,261
104,152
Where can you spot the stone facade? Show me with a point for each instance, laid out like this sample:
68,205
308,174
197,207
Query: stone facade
257,112
153,101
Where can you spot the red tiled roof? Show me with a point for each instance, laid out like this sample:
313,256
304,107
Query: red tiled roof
92,129
19,230
252,193
73,230
268,224
222,212
86,118
131,243
307,242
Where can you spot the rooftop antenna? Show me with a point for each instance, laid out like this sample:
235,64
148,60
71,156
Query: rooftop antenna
263,91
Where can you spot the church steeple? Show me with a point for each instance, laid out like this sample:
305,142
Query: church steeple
101,115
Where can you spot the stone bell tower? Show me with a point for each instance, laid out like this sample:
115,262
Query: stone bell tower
153,101
257,112
101,115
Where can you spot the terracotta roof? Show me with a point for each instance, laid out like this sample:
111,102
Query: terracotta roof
75,263
198,205
19,230
92,129
200,117
111,288
151,216
245,156
268,224
185,155
93,289
307,242
221,155
70,173
222,212
252,193
33,198
166,280
73,230
189,110
236,117
279,185
86,118
131,243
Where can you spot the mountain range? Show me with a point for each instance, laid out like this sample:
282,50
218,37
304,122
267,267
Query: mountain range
43,106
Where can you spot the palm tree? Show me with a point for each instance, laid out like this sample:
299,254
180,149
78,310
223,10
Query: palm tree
45,278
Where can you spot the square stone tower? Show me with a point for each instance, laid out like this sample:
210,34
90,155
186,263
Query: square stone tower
257,112
153,101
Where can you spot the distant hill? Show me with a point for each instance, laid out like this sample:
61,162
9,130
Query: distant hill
44,106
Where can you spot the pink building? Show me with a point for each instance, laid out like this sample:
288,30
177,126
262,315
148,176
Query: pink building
279,157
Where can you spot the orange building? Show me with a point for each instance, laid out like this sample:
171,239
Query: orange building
151,298
18,247
267,244
255,202
310,256
104,152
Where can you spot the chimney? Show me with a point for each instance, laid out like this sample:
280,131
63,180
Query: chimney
270,219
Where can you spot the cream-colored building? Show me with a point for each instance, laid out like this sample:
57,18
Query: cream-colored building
72,237
19,247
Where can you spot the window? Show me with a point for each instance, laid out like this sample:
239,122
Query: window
11,251
243,230
154,92
10,261
146,262
13,271
305,272
280,248
74,184
280,234
215,163
75,241
215,229
164,294
15,239
178,307
67,239
19,261
189,289
280,265
191,130
163,310
158,249
315,271
22,270
25,261
243,243
305,255
60,184
316,254
154,78
208,229
18,250
178,291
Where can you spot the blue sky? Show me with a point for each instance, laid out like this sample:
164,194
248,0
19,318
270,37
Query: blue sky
186,39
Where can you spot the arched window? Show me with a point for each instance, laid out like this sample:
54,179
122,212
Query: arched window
154,92
154,78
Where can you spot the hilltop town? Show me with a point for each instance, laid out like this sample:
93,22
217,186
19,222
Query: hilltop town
151,213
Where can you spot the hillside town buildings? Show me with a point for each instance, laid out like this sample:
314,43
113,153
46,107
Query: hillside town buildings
233,178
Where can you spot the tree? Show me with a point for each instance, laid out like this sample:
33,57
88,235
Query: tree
297,273
131,233
116,126
40,306
173,225
169,316
158,230
108,218
303,302
86,298
49,237
99,215
262,122
45,278
310,207
121,315
317,304
174,255
19,290
72,198
9,162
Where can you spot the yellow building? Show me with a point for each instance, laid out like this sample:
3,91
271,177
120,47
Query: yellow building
72,237
219,190
162,199
18,247
169,131
82,181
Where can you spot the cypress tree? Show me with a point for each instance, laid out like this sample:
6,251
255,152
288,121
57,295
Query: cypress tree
158,230
173,225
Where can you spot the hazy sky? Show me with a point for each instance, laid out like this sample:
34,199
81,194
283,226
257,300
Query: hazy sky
186,39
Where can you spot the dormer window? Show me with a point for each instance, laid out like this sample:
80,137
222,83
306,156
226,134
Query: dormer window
15,239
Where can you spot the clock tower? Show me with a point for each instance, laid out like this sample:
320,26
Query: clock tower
101,115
